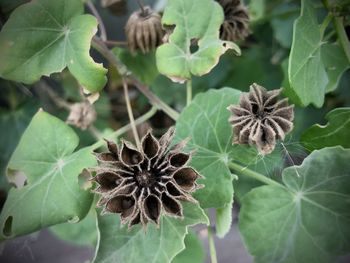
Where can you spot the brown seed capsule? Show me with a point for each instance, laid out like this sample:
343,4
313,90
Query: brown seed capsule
82,115
139,185
236,23
144,30
261,118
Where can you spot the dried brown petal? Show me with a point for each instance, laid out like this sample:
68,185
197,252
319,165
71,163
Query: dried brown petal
129,155
171,205
140,185
261,118
236,23
144,30
150,146
186,178
152,207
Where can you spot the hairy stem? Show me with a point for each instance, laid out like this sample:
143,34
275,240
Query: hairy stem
212,249
101,26
249,173
189,92
123,71
131,116
125,128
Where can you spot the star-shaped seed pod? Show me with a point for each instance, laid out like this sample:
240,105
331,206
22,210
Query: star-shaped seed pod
236,23
261,118
144,30
139,185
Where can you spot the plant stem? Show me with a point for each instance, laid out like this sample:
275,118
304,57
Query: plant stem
212,249
103,32
142,6
123,71
325,23
189,91
339,27
342,37
249,173
125,128
131,116
156,101
115,43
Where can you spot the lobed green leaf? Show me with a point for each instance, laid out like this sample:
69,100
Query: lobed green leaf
194,20
307,220
52,194
44,37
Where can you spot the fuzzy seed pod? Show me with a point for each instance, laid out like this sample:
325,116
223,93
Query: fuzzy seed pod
144,30
261,118
82,115
139,185
236,23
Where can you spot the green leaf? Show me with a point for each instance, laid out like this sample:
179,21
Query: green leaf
43,37
193,19
336,64
205,121
335,132
83,233
161,245
52,194
224,219
306,72
15,121
141,65
194,251
308,220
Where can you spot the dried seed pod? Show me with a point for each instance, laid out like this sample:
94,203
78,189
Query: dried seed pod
261,118
236,23
82,115
139,185
144,30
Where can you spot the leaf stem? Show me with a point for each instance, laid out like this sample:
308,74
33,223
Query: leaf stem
342,37
101,26
142,6
189,91
339,27
249,173
123,71
325,23
131,116
212,249
125,128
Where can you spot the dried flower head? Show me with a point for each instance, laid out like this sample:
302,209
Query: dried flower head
236,23
82,115
140,184
144,30
261,118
